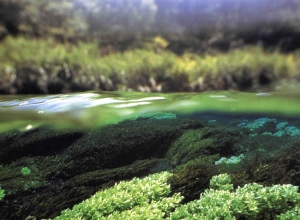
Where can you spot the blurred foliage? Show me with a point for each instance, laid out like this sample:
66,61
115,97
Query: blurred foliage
144,69
118,17
88,20
9,17
115,20
58,18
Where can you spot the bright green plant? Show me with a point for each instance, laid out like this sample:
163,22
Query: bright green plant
291,214
25,171
2,193
252,201
148,198
145,198
221,182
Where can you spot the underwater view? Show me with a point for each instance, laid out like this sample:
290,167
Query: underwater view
129,155
149,109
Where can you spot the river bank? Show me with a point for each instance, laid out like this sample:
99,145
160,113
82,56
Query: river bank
43,66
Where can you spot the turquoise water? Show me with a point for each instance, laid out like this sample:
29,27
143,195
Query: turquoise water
92,109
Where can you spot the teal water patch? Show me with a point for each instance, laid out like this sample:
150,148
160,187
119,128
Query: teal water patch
91,109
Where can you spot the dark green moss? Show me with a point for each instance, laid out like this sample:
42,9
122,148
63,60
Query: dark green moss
199,142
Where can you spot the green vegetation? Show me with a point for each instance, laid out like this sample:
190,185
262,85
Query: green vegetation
25,171
206,45
291,214
147,198
137,199
116,20
252,201
142,69
20,51
2,193
221,182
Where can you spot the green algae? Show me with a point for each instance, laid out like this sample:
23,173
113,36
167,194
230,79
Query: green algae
201,142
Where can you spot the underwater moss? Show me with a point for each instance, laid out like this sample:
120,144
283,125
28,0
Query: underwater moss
201,142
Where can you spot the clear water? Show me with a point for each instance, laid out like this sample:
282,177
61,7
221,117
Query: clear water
258,126
87,110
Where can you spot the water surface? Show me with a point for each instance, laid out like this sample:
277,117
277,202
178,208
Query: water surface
91,109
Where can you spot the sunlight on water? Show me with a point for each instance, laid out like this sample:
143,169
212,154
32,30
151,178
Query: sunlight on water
88,110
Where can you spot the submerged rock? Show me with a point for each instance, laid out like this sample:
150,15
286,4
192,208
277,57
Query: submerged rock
122,144
42,141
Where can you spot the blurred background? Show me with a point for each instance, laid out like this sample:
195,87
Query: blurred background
64,46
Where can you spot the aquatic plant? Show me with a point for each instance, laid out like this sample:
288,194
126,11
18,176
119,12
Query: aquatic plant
155,116
135,199
25,171
252,201
2,193
196,143
282,127
149,198
258,123
291,214
232,164
221,182
231,160
292,131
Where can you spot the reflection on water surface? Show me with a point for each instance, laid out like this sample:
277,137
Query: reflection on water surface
91,109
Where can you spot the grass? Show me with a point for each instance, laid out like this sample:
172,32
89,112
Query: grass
129,66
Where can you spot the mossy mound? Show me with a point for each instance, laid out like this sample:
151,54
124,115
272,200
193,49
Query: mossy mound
200,142
122,144
42,141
